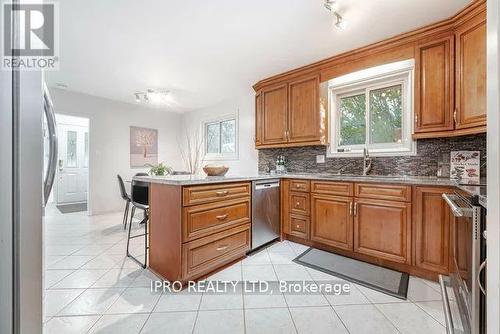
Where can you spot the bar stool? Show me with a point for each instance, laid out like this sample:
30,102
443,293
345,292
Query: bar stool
139,200
125,197
142,174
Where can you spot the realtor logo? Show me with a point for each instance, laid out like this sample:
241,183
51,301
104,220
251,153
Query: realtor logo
32,44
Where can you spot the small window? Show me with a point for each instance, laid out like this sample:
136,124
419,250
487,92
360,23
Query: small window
71,149
373,108
221,141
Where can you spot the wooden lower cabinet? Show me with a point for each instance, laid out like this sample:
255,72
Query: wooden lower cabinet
432,219
206,254
331,220
195,230
404,227
205,219
299,226
299,203
382,229
214,193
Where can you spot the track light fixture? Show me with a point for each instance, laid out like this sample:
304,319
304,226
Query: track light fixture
152,96
332,6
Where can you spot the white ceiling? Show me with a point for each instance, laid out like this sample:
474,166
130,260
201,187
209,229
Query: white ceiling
205,52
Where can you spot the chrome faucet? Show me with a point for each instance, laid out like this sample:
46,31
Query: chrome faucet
367,162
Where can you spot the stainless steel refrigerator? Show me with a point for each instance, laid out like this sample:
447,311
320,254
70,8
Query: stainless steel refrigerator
21,199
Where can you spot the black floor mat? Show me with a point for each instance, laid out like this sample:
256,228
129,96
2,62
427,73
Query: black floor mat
70,208
385,280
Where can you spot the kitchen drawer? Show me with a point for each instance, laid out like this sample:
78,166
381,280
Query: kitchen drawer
206,254
300,203
300,185
213,193
392,192
332,188
299,226
204,219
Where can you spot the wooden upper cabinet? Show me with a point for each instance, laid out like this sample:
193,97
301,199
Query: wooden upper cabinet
289,114
382,229
434,73
274,114
304,122
258,119
331,220
471,73
432,229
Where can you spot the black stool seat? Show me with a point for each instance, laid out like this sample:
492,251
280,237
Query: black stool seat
140,200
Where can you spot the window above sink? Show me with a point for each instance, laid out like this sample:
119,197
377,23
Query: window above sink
372,108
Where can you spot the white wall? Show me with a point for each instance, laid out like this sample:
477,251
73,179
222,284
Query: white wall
245,106
109,141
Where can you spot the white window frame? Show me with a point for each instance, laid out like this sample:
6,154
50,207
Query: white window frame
221,156
361,82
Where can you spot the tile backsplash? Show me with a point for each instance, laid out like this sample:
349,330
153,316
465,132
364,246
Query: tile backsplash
425,163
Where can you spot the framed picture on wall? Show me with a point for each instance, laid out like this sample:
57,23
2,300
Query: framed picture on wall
143,146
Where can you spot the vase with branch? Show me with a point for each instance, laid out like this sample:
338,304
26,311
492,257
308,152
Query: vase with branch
191,148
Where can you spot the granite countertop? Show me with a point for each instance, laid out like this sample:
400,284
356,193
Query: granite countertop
184,180
188,180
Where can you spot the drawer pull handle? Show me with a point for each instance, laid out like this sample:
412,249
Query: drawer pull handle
298,226
298,186
297,204
221,217
221,248
221,193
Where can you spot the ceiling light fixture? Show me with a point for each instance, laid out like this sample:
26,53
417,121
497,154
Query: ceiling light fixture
341,23
333,7
152,96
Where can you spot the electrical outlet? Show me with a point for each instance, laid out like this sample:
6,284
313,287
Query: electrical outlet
320,159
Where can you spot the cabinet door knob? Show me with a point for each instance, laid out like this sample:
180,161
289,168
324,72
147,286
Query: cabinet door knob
297,204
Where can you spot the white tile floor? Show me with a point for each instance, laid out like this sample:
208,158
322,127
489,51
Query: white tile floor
91,287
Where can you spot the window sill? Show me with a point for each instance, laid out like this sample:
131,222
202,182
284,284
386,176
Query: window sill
372,153
215,157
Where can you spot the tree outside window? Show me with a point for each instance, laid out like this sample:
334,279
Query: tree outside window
221,139
373,108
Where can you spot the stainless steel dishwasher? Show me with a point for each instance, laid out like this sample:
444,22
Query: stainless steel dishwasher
265,212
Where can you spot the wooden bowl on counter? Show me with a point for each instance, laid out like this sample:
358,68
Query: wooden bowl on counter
215,170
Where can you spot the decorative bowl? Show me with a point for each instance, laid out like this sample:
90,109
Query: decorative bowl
214,170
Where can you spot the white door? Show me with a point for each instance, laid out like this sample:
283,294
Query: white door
73,163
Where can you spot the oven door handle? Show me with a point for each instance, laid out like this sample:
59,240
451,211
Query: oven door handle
457,210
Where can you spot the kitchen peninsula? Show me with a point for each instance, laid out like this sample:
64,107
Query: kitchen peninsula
198,225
